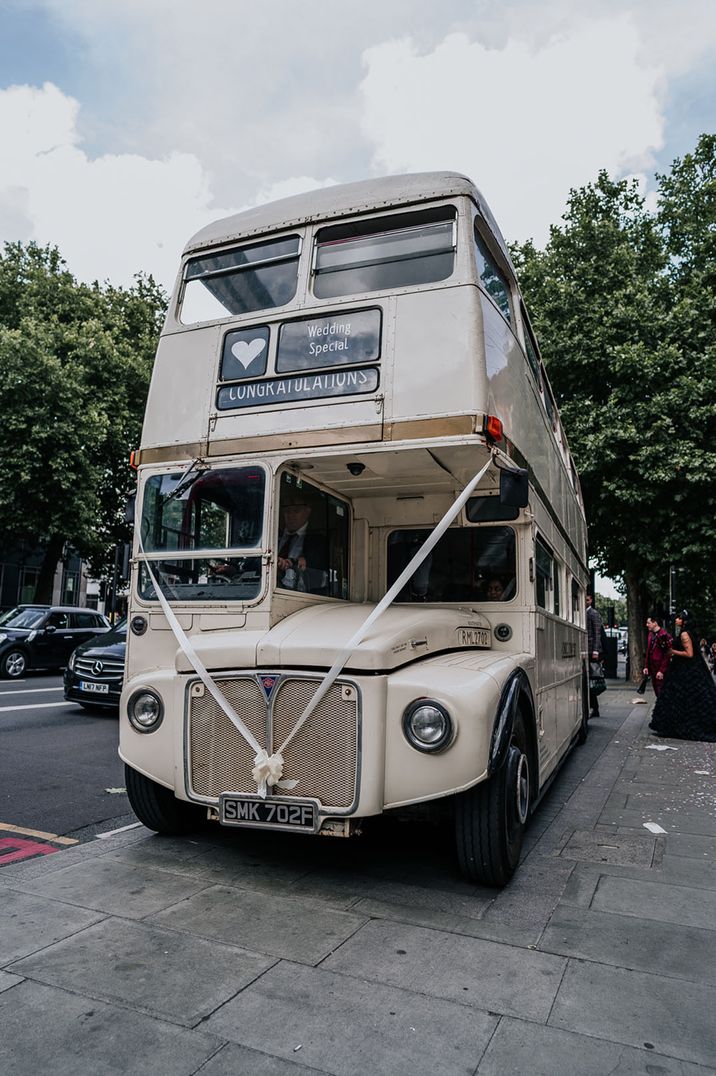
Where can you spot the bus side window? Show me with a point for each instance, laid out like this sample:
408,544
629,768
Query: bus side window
545,575
493,280
556,576
531,348
577,603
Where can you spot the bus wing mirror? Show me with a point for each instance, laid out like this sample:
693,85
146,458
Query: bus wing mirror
514,487
129,507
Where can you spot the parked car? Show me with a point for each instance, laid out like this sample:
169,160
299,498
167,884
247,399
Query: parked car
44,636
95,671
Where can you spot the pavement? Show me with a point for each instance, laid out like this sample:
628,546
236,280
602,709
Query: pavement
231,952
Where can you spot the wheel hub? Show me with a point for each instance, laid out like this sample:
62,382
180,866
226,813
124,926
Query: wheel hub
519,782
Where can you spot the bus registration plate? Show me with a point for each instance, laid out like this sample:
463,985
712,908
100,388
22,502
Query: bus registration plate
267,814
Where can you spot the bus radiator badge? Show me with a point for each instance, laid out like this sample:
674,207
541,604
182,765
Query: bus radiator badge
268,685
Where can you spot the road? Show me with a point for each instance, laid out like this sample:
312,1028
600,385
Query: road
59,770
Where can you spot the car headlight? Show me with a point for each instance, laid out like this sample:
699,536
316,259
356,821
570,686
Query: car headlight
427,725
71,662
3,636
145,710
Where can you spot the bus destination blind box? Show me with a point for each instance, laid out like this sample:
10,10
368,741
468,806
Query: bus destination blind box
330,350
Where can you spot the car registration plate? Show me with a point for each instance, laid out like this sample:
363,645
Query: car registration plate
273,813
96,689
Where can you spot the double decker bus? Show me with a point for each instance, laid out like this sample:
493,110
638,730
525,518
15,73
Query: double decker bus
359,561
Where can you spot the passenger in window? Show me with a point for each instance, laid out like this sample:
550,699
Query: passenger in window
301,559
494,590
499,590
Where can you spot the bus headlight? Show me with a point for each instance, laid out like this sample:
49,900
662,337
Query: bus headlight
145,710
427,725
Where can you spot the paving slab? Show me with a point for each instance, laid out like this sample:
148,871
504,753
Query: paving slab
47,1031
517,1048
346,888
122,962
29,923
675,1017
452,924
684,870
7,980
483,974
293,929
629,942
693,847
43,866
349,1027
234,1060
115,888
220,862
649,899
673,820
532,895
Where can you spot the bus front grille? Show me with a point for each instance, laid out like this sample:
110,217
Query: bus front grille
322,758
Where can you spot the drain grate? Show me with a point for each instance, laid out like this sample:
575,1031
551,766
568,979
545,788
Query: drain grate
589,846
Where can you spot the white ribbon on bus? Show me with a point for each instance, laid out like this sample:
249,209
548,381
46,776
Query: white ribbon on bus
268,769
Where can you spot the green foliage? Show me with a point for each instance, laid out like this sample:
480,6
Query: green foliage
603,605
623,302
75,361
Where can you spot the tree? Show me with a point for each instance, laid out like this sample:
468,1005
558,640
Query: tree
75,362
612,298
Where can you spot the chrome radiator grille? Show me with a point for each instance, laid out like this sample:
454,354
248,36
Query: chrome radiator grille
322,757
100,669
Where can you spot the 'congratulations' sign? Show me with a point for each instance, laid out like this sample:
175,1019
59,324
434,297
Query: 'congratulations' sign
280,390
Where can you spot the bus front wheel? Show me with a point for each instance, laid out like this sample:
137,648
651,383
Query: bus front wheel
157,807
491,818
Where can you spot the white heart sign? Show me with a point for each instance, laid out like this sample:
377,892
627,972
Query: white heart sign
245,353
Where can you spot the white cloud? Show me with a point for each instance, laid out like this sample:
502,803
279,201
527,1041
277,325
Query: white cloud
111,216
526,124
182,109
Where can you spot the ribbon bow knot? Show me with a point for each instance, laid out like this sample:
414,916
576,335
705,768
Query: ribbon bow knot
267,772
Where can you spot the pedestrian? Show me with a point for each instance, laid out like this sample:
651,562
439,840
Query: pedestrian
658,650
595,649
686,706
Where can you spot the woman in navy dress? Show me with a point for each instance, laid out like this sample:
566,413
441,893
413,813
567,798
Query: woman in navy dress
686,707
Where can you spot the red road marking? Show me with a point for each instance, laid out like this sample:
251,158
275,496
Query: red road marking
14,848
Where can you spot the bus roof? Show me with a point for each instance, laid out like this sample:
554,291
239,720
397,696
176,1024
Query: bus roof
341,200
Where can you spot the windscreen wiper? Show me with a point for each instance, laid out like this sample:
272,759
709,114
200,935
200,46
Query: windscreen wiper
187,479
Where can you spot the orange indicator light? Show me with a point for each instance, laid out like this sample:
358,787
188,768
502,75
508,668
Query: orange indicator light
493,428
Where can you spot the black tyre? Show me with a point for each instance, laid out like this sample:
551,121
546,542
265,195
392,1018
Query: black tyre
491,818
584,726
158,808
13,665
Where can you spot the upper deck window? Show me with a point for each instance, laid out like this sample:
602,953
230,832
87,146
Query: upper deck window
385,253
256,277
493,280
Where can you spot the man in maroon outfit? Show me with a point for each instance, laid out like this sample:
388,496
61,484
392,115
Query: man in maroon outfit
658,653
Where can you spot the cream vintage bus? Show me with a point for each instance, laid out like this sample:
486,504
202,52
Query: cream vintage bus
359,564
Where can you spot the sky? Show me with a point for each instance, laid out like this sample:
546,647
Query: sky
127,125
